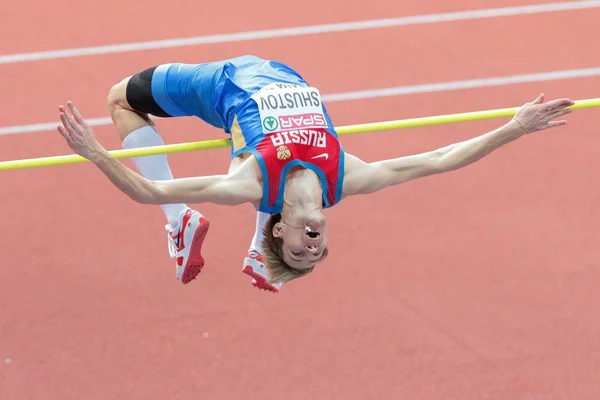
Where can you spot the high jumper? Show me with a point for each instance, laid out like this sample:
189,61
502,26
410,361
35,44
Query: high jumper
286,157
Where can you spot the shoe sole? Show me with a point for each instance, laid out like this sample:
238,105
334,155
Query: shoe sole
195,262
259,281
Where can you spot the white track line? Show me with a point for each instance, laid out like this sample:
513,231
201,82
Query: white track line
376,93
302,30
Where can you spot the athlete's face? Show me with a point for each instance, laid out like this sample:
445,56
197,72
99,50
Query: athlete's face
302,248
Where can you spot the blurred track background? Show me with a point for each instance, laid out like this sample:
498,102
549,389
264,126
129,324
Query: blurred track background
478,284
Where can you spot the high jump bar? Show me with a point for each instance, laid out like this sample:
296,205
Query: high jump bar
342,130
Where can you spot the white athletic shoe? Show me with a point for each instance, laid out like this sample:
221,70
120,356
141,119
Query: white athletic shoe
185,244
255,267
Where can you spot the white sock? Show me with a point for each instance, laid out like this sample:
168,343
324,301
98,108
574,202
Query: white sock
261,221
154,167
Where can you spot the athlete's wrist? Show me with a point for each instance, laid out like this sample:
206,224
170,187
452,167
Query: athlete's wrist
513,130
99,156
516,127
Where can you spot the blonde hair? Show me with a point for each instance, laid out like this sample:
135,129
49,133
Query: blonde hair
279,270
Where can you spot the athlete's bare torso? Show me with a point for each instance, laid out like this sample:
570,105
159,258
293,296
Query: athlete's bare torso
245,168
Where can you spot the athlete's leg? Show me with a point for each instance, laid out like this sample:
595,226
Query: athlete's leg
130,103
136,129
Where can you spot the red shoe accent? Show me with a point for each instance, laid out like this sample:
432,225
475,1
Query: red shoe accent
259,282
195,261
179,235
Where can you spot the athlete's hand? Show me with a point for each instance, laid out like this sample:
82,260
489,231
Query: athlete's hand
77,133
536,115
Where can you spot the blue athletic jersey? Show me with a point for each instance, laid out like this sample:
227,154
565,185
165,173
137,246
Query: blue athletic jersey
268,109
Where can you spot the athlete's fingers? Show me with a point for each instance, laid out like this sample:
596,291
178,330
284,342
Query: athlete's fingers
560,113
539,100
559,103
74,125
64,133
63,110
68,117
66,123
553,124
70,125
76,113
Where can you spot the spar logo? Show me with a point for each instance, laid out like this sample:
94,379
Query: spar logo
289,122
270,124
302,121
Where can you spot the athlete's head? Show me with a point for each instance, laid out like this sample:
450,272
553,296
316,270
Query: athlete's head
290,250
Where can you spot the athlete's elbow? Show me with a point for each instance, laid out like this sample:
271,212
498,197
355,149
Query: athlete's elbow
440,166
443,160
143,197
436,162
151,193
450,163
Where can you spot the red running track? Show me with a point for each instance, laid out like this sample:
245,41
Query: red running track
479,284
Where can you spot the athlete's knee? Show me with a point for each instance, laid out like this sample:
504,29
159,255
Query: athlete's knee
117,97
123,115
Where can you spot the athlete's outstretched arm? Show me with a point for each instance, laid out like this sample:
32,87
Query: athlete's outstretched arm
218,189
363,178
